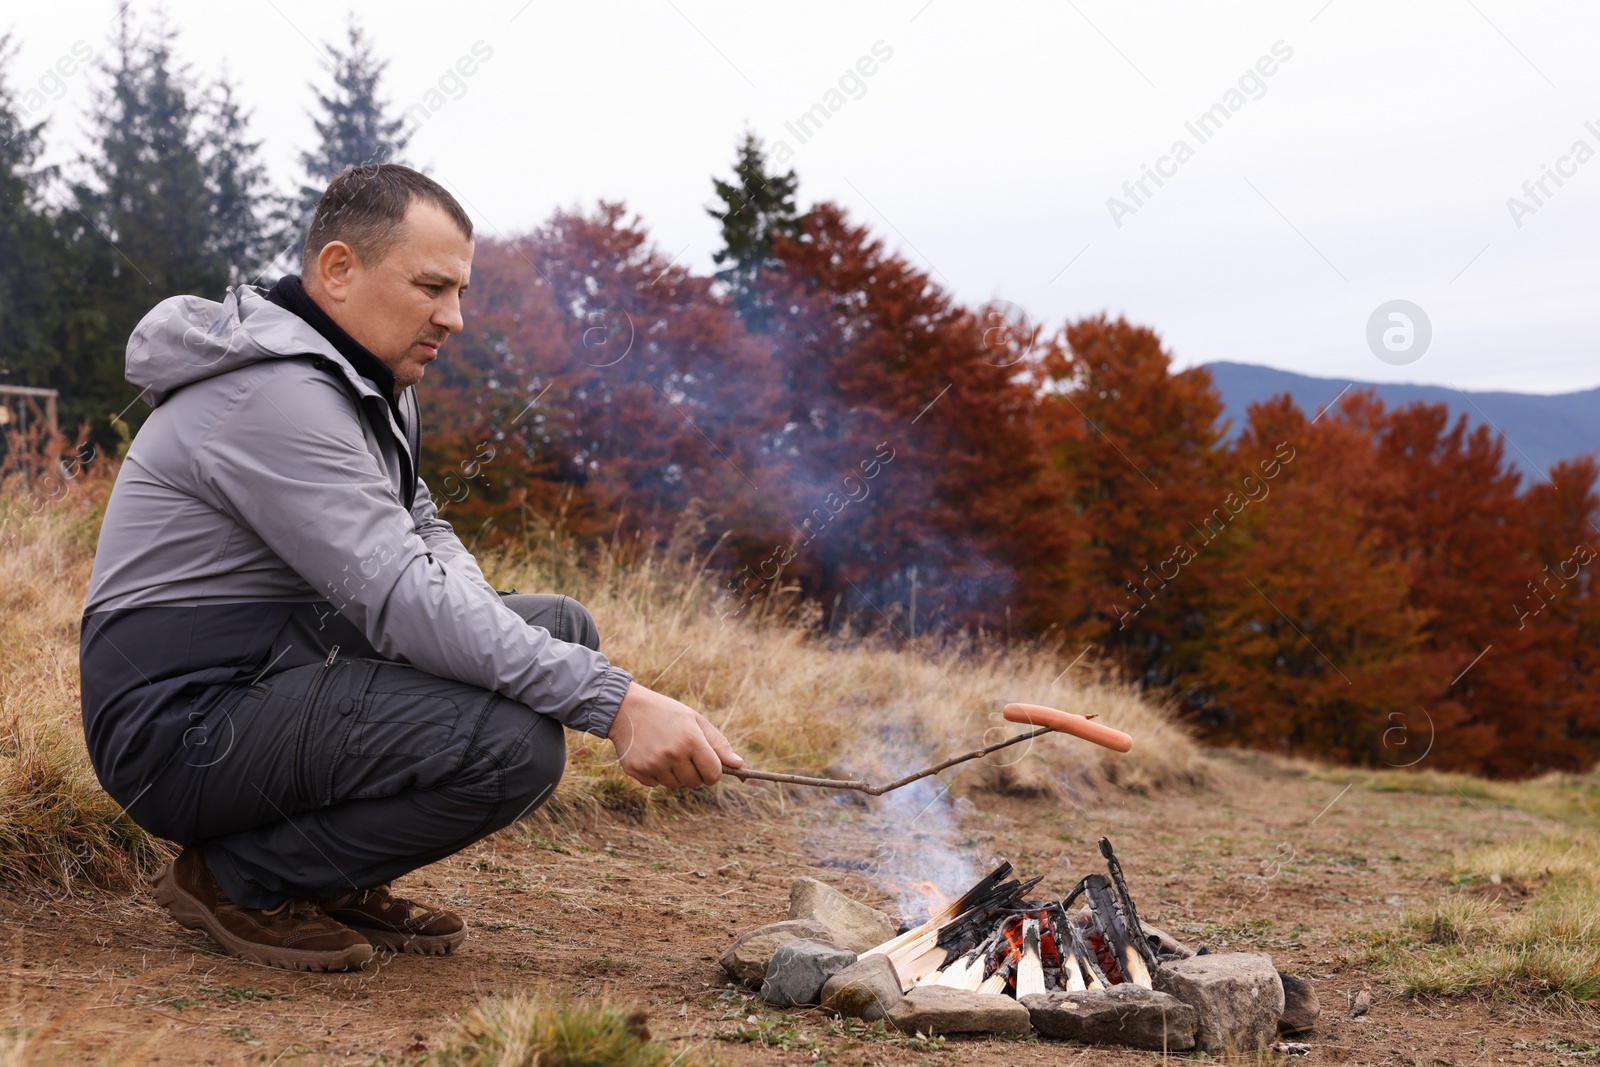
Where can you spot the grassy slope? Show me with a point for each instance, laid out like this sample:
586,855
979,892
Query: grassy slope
788,701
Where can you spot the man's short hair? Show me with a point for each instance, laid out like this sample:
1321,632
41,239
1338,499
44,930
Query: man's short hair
365,207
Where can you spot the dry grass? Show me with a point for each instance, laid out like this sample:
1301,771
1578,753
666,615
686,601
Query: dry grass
533,1031
842,706
788,700
1573,799
1483,938
58,830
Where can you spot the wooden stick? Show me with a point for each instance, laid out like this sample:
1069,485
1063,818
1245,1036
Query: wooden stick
870,788
919,968
1030,969
949,912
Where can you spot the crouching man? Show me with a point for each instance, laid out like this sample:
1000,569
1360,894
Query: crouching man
291,665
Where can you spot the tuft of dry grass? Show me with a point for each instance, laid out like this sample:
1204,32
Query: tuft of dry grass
1483,939
534,1031
58,830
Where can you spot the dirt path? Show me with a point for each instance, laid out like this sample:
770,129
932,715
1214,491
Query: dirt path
640,912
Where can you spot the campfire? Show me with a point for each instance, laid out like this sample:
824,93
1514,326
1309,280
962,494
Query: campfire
993,939
997,960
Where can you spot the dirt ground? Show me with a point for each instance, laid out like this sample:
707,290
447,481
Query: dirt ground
640,911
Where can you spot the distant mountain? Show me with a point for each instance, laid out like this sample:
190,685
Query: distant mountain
1539,430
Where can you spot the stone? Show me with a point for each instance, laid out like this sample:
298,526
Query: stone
943,1010
1237,996
799,968
1121,1015
853,924
866,989
746,959
1300,1005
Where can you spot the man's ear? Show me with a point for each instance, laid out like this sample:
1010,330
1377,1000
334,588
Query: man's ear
337,265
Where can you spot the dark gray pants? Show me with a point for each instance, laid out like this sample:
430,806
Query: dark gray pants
345,776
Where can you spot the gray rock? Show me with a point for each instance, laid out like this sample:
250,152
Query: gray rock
1237,996
853,923
867,989
799,968
1121,1015
942,1010
1300,1005
746,959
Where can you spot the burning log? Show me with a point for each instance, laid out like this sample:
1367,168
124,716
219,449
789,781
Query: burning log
896,945
1141,941
992,939
1030,968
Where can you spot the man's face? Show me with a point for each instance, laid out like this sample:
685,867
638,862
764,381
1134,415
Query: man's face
402,307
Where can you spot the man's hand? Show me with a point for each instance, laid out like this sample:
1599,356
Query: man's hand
663,742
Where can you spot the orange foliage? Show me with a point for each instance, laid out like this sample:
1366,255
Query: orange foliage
1361,584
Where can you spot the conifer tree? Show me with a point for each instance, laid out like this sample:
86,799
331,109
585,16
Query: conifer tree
354,126
241,199
30,257
144,225
754,208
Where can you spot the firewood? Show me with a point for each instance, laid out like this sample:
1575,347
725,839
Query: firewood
1030,969
1074,973
961,904
1140,943
925,964
995,983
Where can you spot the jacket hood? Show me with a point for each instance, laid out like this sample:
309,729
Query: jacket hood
185,339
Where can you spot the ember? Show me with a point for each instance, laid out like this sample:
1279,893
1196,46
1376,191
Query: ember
993,939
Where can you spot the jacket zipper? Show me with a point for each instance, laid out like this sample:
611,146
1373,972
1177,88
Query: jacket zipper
307,708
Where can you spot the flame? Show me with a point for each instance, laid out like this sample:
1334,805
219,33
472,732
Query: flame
937,901
1013,931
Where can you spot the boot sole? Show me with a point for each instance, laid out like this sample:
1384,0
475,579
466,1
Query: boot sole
189,912
420,944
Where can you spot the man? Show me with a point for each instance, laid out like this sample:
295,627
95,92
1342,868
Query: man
291,665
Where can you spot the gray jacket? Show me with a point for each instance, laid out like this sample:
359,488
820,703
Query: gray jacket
258,478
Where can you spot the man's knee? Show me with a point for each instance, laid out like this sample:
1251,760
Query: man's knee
565,618
580,625
534,768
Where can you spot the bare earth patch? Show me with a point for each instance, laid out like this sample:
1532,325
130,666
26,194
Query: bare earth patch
638,912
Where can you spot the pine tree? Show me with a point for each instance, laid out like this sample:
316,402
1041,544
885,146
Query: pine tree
145,225
241,201
30,257
355,127
756,207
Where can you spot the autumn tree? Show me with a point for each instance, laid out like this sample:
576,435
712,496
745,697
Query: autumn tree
1308,642
1140,444
875,353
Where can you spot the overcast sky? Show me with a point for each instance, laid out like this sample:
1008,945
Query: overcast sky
1373,163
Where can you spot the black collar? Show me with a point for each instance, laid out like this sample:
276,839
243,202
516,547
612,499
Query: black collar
291,295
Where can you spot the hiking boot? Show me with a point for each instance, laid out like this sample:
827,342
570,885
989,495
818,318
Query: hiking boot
295,934
397,924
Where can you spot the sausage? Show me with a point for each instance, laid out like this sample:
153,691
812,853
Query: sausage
1068,723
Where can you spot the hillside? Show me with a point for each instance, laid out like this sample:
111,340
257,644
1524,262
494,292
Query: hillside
1539,429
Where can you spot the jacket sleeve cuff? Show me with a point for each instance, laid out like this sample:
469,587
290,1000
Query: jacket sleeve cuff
595,715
